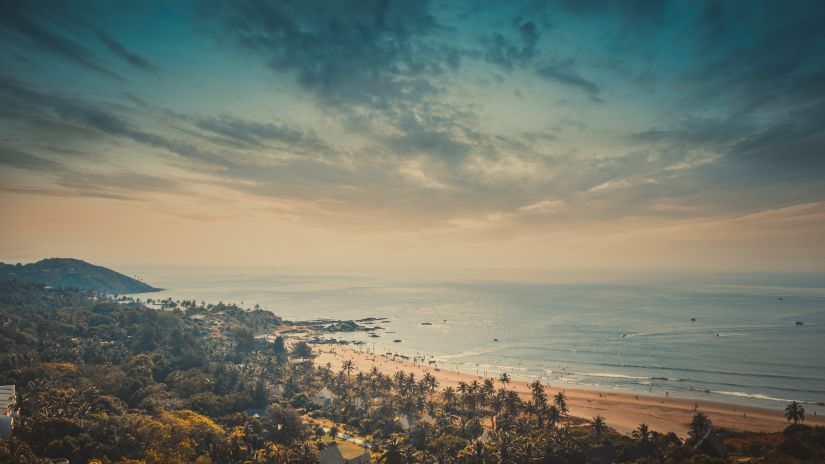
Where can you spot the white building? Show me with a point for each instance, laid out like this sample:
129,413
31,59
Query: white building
8,410
323,398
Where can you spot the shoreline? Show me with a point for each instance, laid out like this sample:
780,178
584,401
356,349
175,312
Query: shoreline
622,411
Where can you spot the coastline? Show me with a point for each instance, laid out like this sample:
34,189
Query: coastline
622,411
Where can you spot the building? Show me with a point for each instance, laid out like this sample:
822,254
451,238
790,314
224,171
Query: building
8,410
712,445
405,422
323,399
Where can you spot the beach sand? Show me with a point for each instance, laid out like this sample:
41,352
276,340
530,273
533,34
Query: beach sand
622,411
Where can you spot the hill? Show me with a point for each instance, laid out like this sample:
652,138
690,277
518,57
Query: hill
68,272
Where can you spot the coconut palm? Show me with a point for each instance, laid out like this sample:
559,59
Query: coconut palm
599,426
476,453
642,433
504,378
553,415
539,401
430,382
462,387
393,452
348,367
795,412
303,452
560,400
699,426
448,395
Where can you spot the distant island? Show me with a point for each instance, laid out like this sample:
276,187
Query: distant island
75,273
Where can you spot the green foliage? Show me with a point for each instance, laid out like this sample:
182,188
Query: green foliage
67,272
111,381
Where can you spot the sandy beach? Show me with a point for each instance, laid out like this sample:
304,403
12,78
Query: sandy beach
622,411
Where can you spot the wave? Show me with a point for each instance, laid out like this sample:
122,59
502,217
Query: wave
611,376
758,396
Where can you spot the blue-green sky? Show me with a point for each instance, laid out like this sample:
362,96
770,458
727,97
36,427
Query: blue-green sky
536,134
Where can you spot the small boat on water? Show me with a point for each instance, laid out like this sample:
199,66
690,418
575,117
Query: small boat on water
426,323
396,341
800,323
495,339
692,319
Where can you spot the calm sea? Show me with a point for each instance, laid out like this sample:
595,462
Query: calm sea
729,339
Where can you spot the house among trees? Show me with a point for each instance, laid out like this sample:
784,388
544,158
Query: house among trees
8,410
323,399
405,422
712,445
343,453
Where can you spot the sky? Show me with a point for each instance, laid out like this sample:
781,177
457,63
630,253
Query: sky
441,137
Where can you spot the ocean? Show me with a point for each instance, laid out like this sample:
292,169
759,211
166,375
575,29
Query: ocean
732,339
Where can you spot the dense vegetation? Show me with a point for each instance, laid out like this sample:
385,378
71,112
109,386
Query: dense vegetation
68,272
102,380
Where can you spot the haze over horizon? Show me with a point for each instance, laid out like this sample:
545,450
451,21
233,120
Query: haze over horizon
548,136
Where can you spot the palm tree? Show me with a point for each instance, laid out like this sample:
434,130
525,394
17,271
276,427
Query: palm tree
448,395
430,382
699,426
504,378
393,452
462,387
795,412
539,401
512,403
303,452
553,415
642,433
476,453
560,400
599,426
348,367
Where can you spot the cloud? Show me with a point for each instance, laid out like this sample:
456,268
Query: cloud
254,133
563,74
27,25
509,54
126,55
121,184
418,128
347,52
17,159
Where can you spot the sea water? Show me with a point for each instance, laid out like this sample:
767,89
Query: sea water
731,339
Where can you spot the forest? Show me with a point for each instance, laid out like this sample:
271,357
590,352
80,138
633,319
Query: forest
102,379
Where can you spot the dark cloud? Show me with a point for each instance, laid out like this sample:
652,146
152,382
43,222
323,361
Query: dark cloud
29,26
738,105
126,55
20,102
253,133
563,74
354,52
510,54
632,12
17,159
119,185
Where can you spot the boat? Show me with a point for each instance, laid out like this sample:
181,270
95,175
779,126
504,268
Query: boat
800,323
426,323
495,339
396,341
692,319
